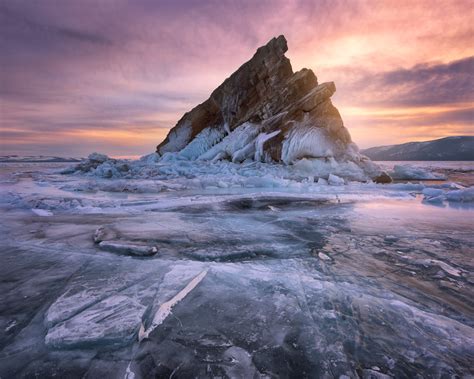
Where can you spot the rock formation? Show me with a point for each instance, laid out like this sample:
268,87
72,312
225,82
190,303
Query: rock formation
274,106
266,112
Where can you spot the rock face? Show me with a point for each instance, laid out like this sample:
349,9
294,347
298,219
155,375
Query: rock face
264,111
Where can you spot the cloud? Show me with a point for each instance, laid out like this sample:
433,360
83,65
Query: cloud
425,84
68,67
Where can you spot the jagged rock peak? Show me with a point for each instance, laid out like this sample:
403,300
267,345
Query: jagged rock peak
264,111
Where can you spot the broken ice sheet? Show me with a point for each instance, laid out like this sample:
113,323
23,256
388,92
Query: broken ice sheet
302,277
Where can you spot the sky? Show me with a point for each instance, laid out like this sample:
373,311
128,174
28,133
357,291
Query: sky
114,76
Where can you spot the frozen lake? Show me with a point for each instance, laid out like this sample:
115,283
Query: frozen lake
262,279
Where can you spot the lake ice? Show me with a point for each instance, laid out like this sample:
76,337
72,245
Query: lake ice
236,270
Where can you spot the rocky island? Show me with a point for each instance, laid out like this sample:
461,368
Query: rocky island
266,112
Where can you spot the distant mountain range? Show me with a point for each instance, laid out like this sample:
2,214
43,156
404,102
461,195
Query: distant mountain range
460,148
36,158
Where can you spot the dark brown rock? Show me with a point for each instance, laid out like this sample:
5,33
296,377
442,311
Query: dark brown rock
383,178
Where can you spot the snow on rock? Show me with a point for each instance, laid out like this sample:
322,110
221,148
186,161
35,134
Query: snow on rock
408,172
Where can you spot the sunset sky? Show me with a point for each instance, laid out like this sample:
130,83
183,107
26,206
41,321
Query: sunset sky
114,76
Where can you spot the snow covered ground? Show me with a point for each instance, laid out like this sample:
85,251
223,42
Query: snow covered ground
195,268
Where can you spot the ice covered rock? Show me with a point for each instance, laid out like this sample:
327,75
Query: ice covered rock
266,112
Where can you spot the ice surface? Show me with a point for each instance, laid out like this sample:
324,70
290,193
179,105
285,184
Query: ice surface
115,320
165,309
262,270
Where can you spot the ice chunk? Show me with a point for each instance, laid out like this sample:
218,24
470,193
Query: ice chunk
407,172
303,142
128,248
114,320
107,170
432,192
103,233
150,158
246,152
334,180
202,142
259,141
97,157
322,182
433,195
323,167
462,195
42,212
231,144
178,138
445,267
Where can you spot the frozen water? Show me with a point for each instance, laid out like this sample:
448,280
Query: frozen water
202,143
306,142
407,172
261,270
